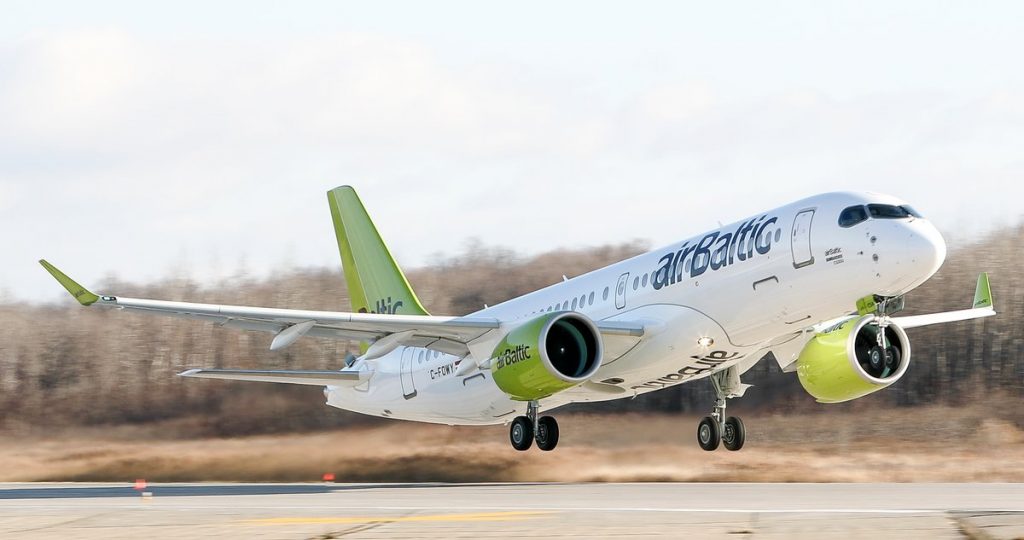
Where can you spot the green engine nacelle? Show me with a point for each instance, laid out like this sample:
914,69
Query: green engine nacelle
837,364
548,354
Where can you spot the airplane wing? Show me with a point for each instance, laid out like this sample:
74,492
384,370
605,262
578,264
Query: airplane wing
982,307
310,377
445,334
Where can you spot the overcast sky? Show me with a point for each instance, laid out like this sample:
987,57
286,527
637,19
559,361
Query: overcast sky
200,137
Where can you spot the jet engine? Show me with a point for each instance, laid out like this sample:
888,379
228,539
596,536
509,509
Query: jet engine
548,354
848,360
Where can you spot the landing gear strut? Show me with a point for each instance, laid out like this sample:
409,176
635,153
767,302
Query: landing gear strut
718,428
883,358
525,429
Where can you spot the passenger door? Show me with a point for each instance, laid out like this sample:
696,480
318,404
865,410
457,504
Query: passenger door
408,385
620,291
801,239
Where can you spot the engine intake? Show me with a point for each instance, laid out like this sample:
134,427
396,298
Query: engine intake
572,347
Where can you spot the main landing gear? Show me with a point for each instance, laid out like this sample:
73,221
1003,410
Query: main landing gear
525,429
717,428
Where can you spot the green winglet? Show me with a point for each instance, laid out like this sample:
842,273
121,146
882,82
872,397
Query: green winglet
80,293
983,294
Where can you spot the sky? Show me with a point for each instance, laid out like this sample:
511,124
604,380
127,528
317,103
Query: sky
147,140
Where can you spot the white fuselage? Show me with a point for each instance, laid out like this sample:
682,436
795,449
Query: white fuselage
751,287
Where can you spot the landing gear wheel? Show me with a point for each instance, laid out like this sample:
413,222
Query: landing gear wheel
876,359
892,360
733,433
547,433
521,433
709,433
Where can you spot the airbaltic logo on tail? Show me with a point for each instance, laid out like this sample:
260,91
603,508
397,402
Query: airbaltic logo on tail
718,250
385,306
513,355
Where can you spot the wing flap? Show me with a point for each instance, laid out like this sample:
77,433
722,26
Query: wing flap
311,377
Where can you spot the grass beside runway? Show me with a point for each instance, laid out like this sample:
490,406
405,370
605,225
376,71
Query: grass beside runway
903,445
455,518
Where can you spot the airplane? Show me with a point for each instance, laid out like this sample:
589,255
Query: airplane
815,285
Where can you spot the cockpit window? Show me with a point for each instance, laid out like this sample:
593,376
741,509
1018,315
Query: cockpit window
910,210
888,211
852,216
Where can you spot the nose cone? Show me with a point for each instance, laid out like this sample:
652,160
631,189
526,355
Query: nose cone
926,248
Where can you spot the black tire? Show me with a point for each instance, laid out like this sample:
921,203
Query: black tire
709,433
547,433
876,360
520,433
892,360
733,434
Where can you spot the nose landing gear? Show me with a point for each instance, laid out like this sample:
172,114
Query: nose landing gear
717,428
525,429
883,358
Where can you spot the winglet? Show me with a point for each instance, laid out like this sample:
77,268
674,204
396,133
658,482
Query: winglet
80,293
983,294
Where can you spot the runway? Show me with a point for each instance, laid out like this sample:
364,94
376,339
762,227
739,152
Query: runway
512,511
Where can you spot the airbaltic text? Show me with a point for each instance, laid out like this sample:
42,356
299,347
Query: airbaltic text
513,355
702,365
717,250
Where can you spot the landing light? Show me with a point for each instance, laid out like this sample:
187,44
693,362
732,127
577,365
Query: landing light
705,341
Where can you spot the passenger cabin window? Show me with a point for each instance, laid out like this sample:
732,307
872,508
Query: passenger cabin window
852,216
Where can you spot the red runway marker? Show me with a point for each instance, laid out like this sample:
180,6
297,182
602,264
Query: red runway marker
140,483
328,477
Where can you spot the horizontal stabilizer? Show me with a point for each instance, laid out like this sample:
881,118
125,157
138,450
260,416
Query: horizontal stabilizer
312,377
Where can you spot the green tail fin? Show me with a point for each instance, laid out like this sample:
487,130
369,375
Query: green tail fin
375,282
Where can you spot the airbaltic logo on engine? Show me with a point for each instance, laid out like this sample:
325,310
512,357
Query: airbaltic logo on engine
384,306
717,250
513,355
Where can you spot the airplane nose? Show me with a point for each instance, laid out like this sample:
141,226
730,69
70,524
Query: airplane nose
926,247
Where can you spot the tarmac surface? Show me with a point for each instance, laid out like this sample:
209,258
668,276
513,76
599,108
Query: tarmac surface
512,511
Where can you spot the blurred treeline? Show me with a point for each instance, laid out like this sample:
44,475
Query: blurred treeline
63,366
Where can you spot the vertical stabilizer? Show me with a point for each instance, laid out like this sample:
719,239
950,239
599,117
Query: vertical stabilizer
375,282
